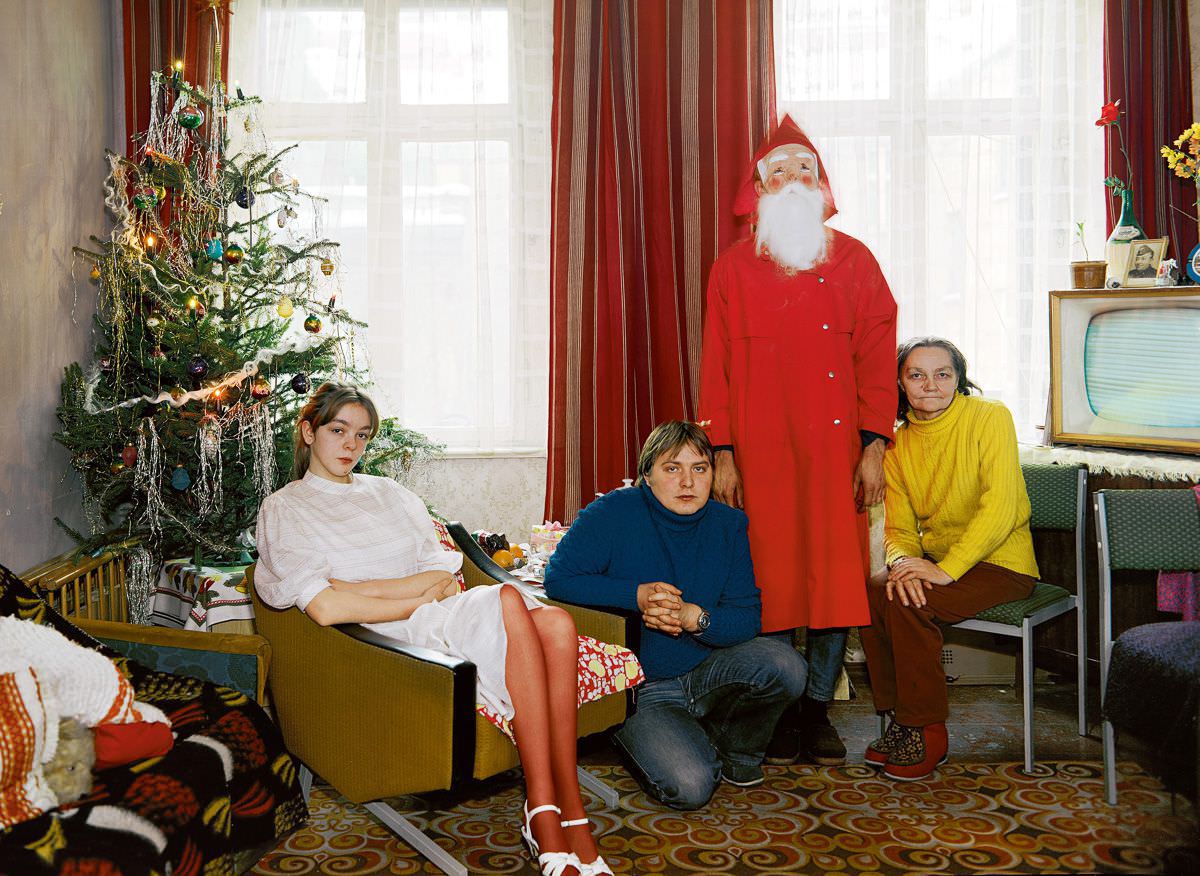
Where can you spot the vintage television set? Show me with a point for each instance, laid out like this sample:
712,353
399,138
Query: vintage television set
1125,368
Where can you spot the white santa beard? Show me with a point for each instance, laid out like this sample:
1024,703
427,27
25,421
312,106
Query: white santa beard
791,226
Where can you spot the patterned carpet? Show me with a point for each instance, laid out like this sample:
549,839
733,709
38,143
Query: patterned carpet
846,820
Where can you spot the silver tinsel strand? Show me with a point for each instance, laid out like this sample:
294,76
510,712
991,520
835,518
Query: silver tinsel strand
262,437
141,575
148,475
208,484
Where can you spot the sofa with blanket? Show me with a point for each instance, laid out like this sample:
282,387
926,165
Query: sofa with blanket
224,791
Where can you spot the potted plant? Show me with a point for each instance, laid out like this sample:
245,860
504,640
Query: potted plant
1086,274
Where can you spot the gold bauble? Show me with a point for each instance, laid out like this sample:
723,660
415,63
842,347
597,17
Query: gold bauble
284,307
327,267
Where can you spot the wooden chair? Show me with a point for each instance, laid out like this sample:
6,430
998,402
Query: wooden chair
379,719
1149,676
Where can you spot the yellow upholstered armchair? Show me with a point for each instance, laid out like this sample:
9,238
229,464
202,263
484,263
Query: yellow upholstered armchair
378,719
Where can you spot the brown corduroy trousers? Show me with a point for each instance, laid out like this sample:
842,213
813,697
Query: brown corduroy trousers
904,643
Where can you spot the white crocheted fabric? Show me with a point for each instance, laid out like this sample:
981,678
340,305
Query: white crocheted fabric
76,682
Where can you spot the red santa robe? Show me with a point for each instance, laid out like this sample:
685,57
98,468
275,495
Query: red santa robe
793,366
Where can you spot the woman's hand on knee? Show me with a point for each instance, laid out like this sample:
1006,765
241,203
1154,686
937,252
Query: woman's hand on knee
911,591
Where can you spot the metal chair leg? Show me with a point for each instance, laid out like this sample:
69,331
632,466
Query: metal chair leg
412,835
603,790
1110,763
306,779
1027,691
1081,648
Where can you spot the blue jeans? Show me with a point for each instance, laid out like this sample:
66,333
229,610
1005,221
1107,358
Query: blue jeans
719,715
825,651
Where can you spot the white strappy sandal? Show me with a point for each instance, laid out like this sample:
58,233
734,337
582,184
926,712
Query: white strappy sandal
550,863
598,867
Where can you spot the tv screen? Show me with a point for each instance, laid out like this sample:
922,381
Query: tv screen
1141,366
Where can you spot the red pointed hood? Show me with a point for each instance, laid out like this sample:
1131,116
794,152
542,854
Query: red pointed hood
788,133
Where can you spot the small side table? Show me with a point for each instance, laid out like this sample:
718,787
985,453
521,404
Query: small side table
207,598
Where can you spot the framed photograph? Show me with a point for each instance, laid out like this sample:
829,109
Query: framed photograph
1141,266
1123,366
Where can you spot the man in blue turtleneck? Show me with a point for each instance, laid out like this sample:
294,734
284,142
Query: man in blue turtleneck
714,688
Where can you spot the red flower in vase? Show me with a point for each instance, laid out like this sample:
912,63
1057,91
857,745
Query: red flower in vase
1109,114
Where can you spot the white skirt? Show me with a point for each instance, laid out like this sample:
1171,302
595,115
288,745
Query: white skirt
468,625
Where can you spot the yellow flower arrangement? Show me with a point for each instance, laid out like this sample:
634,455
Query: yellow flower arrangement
1183,159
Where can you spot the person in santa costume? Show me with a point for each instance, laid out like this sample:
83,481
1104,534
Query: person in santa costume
798,383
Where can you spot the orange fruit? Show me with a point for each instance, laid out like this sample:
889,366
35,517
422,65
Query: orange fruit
515,550
503,558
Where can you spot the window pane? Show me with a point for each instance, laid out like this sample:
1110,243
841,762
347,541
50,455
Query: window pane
832,50
860,172
449,324
335,171
971,254
452,55
972,48
316,54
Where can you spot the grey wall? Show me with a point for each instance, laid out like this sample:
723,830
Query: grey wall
56,119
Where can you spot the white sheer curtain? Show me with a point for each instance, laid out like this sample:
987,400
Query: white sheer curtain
958,136
425,123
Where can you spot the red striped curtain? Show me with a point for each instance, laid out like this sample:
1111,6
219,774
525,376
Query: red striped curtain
1147,65
657,110
157,33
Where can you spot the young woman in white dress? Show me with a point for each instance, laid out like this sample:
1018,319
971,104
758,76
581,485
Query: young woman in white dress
353,548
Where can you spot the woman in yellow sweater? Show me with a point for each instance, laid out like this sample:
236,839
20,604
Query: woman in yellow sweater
957,542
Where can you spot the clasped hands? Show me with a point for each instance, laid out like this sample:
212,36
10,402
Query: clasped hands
663,609
440,586
909,578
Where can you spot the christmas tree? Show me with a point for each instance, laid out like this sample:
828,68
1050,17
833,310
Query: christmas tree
217,312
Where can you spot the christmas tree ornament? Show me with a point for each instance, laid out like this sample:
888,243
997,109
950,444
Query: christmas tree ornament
148,476
234,254
327,267
161,193
196,308
106,364
95,275
198,366
281,218
157,353
145,198
208,484
214,249
300,383
117,467
177,392
260,388
140,581
190,117
312,323
284,307
153,319
277,178
295,185
180,479
262,440
244,197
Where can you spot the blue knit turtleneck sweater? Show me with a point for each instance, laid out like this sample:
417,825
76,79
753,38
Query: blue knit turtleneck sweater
627,538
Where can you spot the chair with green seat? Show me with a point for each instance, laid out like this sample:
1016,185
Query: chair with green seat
1150,675
1058,498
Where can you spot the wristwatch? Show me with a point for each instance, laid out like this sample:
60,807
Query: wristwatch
702,622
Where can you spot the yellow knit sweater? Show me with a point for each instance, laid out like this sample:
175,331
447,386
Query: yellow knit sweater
955,491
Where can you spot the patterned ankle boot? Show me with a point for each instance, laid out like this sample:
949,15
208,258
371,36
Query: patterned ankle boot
878,751
918,753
